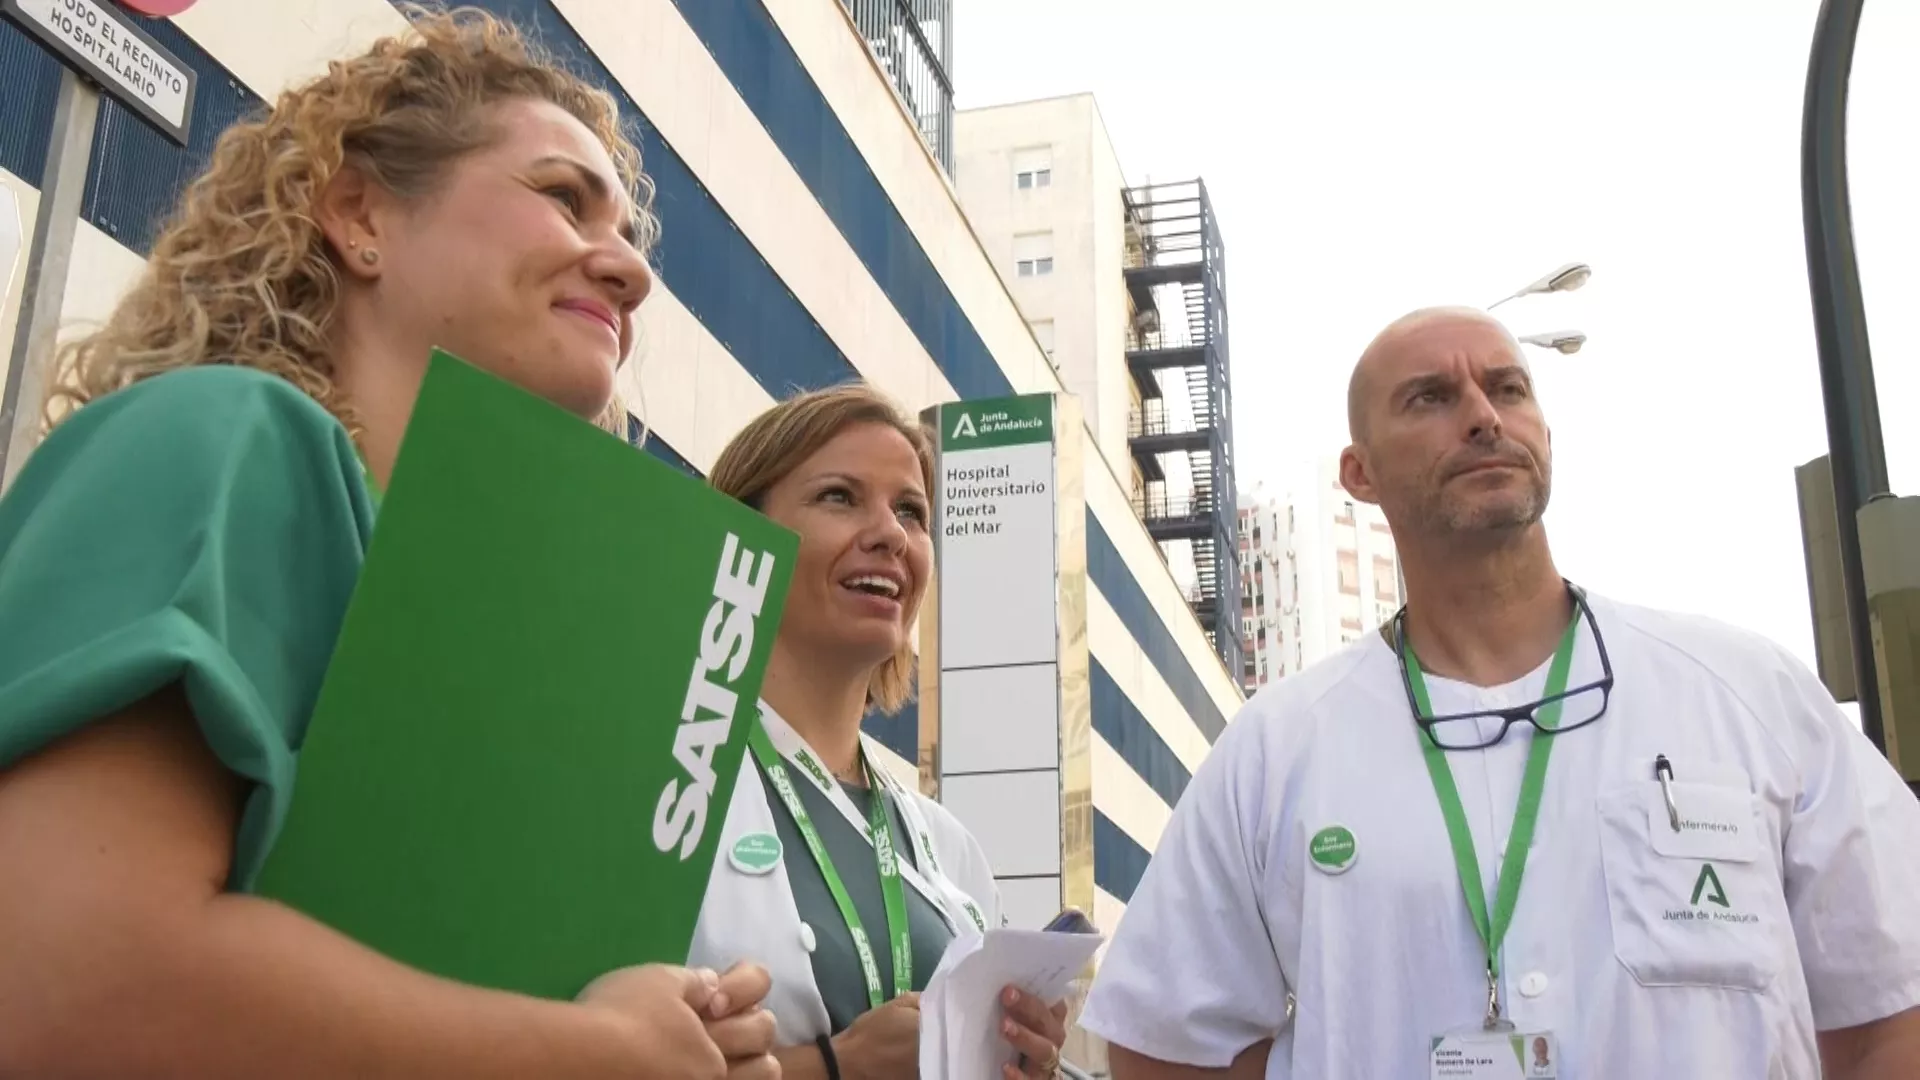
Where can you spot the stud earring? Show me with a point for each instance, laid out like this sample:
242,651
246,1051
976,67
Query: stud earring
369,256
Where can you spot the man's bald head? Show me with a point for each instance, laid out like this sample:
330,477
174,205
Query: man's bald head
1448,438
1373,375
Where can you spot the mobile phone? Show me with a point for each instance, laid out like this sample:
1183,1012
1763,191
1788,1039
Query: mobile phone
1071,921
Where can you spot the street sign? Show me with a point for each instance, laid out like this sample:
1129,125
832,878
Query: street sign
109,48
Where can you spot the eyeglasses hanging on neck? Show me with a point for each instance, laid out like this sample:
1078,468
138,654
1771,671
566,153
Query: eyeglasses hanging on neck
1579,706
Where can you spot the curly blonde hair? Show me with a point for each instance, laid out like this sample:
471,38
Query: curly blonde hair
242,273
774,443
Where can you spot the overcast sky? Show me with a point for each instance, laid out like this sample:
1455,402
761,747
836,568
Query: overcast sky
1368,157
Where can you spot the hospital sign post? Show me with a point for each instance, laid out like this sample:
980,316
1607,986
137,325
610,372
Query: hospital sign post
102,49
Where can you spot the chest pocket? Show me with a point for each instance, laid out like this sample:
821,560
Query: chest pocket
1699,906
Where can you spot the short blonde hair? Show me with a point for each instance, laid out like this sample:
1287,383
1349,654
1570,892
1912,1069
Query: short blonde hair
242,273
774,444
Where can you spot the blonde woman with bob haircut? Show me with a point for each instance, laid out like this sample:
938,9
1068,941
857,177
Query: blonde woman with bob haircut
176,557
813,821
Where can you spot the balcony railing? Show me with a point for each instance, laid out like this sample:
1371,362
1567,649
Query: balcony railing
914,45
1157,507
1177,336
1183,248
1144,424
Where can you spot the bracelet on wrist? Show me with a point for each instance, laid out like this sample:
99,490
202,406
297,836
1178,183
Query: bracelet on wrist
829,1057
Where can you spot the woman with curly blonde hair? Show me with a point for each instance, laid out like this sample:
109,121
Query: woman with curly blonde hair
177,555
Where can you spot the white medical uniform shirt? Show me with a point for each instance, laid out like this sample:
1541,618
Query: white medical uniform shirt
1814,840
754,918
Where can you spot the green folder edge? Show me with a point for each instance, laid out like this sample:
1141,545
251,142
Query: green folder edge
481,879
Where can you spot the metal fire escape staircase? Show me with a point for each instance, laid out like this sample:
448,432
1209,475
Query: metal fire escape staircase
1175,271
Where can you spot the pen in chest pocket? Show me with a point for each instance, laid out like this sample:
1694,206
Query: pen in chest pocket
1663,772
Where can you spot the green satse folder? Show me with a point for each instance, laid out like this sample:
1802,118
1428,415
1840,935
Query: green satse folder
553,634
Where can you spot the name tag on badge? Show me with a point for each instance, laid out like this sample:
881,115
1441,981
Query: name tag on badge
1716,822
1494,1055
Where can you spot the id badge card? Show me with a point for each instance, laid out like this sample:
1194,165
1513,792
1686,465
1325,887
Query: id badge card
1494,1055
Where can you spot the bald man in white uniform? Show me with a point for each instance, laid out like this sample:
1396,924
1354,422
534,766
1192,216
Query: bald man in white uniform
1387,870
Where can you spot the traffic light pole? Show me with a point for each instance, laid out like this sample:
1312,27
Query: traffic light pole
1858,456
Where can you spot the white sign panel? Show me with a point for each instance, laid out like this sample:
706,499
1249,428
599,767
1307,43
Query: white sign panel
999,638
996,524
107,46
13,238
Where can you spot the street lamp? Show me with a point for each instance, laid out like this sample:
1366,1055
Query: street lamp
1565,279
1566,342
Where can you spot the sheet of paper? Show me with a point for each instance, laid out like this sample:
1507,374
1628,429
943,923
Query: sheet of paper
960,1010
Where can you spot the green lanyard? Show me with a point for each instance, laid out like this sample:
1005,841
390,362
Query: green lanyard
881,826
933,868
1514,863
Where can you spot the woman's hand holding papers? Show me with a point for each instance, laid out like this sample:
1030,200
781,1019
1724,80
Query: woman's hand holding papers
1035,1029
692,1025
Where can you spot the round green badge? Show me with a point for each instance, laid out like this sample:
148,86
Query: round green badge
755,853
1333,850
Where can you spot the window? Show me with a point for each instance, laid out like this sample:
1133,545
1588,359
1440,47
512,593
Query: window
1350,572
1386,586
1033,254
1033,167
1043,331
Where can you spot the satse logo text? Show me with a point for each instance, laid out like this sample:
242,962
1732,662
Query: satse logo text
706,720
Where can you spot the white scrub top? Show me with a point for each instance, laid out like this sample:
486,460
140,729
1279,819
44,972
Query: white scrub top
753,917
1615,947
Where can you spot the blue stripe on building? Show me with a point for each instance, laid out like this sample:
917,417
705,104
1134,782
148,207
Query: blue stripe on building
137,175
658,447
899,733
1133,738
1110,574
29,88
768,75
1119,862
